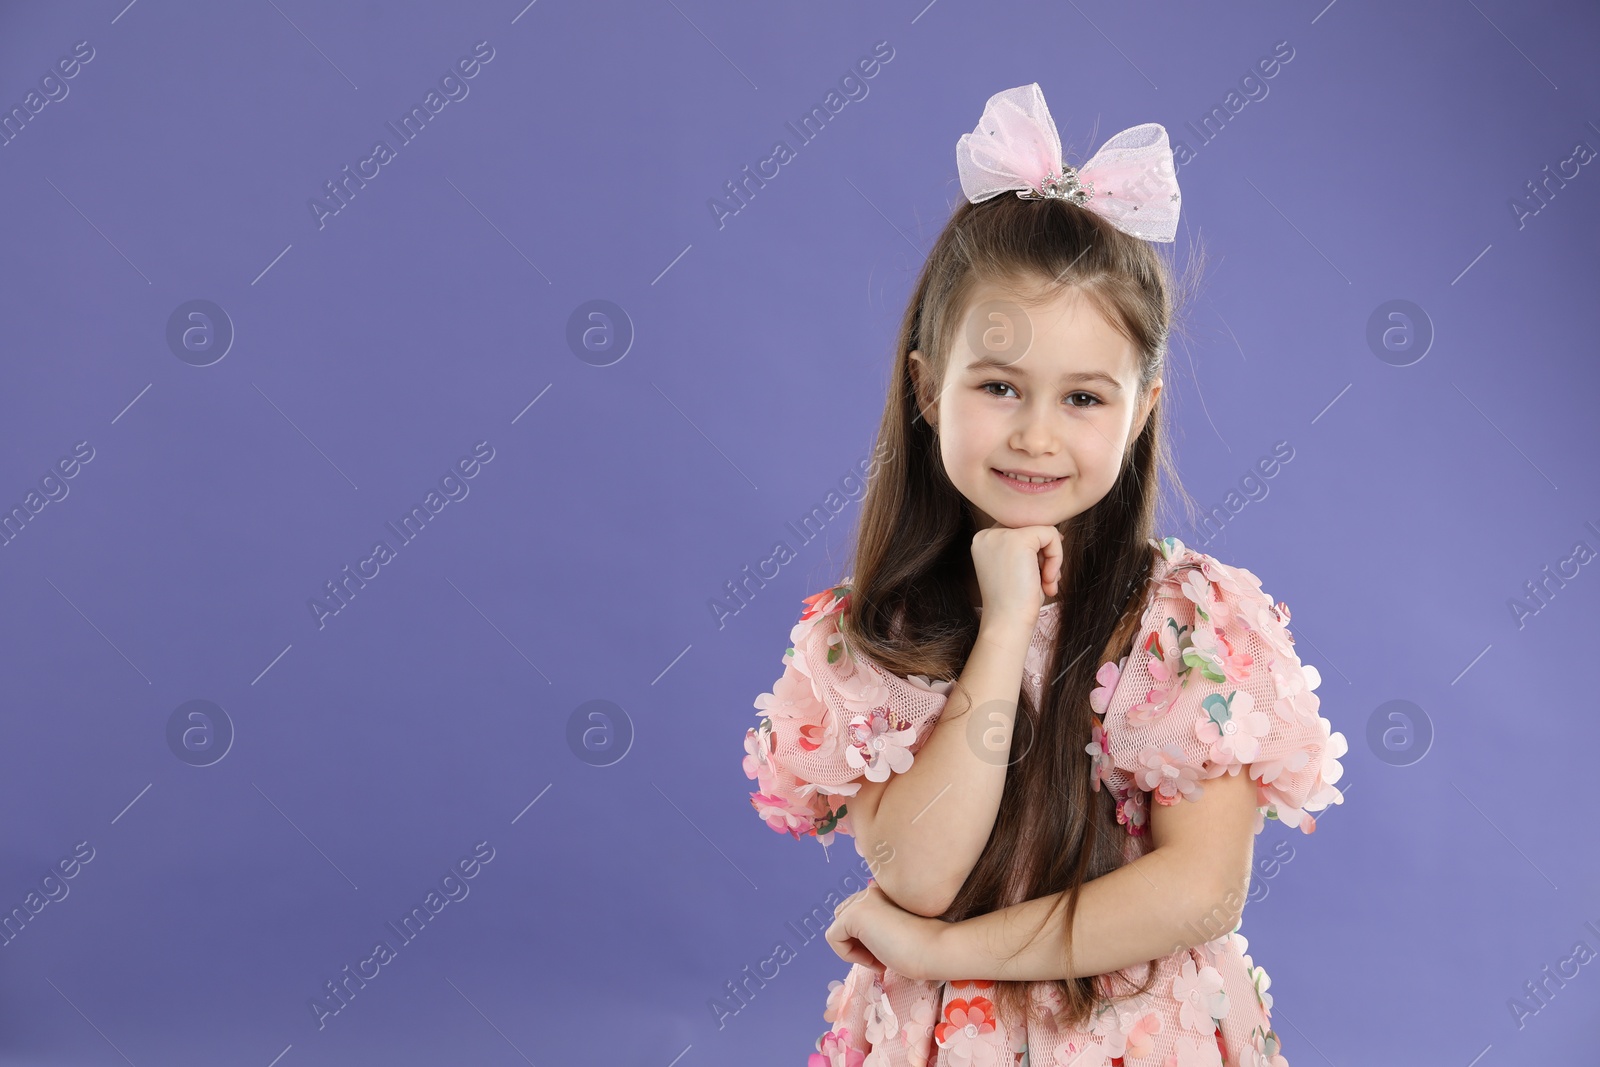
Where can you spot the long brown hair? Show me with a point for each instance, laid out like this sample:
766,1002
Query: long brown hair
910,608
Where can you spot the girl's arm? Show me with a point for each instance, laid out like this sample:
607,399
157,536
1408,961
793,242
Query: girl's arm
1190,889
932,820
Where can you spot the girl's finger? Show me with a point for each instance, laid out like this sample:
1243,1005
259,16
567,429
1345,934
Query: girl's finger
855,952
844,945
1050,560
1053,556
859,954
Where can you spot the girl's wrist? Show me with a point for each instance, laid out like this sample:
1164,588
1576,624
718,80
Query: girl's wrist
1010,634
941,963
1007,626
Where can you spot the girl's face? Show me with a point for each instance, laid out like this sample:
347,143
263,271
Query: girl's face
1048,389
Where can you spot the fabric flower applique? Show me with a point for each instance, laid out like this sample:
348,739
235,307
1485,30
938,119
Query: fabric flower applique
973,983
838,993
792,697
1166,669
1270,620
877,748
881,1023
1296,702
1231,728
1192,1050
1262,981
1213,953
1099,750
828,602
1201,997
1213,655
1216,654
778,812
1195,586
1166,775
1267,771
1263,1050
918,1028
1330,771
758,742
971,1033
832,721
1080,1054
1107,676
1239,583
1129,1028
1170,547
1133,811
835,1050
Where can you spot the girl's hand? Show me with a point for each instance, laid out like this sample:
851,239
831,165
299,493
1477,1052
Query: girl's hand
870,929
1017,569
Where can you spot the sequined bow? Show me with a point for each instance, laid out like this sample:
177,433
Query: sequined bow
1131,180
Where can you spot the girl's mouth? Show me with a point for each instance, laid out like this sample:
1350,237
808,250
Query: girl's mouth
1025,486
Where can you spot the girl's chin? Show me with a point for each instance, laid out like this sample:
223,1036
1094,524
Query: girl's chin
1015,518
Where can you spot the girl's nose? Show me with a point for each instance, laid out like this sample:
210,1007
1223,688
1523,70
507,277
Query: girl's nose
1039,433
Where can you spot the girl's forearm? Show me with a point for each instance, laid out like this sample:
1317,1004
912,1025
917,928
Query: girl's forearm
935,817
1151,907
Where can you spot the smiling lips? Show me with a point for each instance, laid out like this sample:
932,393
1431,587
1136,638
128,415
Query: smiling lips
1025,483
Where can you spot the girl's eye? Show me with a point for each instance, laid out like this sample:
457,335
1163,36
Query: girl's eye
1093,400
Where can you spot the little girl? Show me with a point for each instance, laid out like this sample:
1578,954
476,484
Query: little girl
1052,735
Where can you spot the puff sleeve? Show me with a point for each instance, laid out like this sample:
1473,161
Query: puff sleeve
1213,686
832,719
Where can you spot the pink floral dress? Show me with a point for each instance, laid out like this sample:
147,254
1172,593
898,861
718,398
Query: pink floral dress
1212,686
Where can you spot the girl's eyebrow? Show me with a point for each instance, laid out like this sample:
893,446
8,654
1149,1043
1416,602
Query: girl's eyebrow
985,360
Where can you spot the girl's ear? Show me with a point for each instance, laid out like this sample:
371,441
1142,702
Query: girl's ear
922,386
1145,409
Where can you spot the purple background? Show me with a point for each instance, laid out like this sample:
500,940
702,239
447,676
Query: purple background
432,312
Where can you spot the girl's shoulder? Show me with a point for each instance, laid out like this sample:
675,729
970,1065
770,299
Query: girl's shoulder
825,610
1216,595
834,600
1213,685
819,631
1196,597
831,720
1178,564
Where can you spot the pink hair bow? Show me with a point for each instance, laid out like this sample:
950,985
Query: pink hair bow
1130,181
